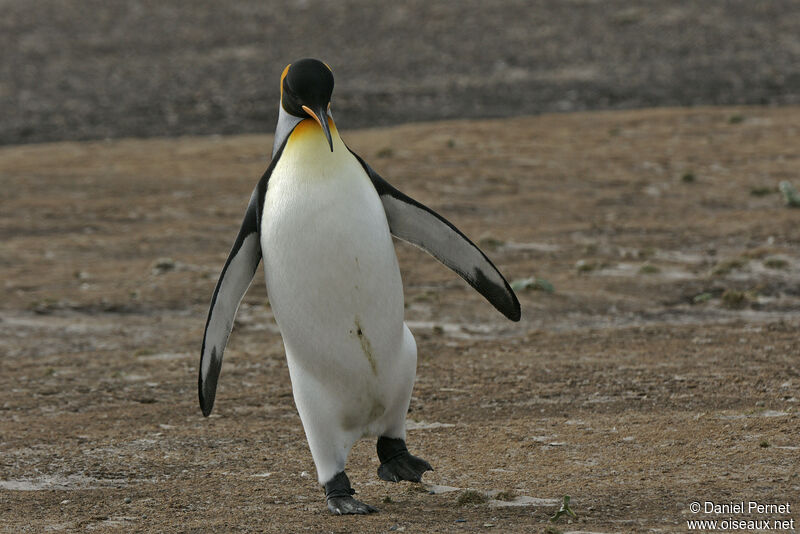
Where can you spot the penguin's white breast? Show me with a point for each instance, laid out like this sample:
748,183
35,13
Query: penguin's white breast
331,270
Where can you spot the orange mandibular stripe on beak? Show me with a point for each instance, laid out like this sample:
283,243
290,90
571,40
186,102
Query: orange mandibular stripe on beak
320,117
310,112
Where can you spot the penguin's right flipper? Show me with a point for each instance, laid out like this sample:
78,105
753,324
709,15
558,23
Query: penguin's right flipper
233,282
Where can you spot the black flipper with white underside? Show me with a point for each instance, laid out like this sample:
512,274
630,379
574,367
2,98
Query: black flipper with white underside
233,282
416,223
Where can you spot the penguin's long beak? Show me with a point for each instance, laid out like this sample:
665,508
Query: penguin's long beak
321,116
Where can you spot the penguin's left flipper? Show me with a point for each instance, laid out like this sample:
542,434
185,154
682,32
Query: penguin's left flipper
414,222
233,282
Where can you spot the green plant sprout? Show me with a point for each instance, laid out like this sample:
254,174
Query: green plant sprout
565,509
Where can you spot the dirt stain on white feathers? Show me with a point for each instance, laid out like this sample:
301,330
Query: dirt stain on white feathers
366,346
377,409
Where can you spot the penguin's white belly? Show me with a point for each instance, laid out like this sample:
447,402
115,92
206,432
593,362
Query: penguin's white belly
335,289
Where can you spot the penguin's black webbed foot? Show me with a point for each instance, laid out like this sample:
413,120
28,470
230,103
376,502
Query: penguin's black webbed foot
349,505
406,467
397,463
339,495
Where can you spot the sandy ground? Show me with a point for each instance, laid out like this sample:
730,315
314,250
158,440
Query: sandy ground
91,69
663,369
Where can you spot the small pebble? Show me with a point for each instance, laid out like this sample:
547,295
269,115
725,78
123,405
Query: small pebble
127,500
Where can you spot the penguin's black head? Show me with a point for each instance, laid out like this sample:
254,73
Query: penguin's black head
306,88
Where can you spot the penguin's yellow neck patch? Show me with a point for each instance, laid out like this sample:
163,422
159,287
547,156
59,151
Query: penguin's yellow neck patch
311,124
308,132
307,154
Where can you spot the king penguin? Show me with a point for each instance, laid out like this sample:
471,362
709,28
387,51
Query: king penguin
322,220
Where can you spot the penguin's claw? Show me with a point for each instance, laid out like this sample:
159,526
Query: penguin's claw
349,505
404,467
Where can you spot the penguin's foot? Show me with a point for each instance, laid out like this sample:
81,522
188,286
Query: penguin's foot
349,505
397,463
405,467
339,495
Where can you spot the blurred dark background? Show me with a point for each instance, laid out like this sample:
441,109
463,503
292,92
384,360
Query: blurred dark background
90,69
